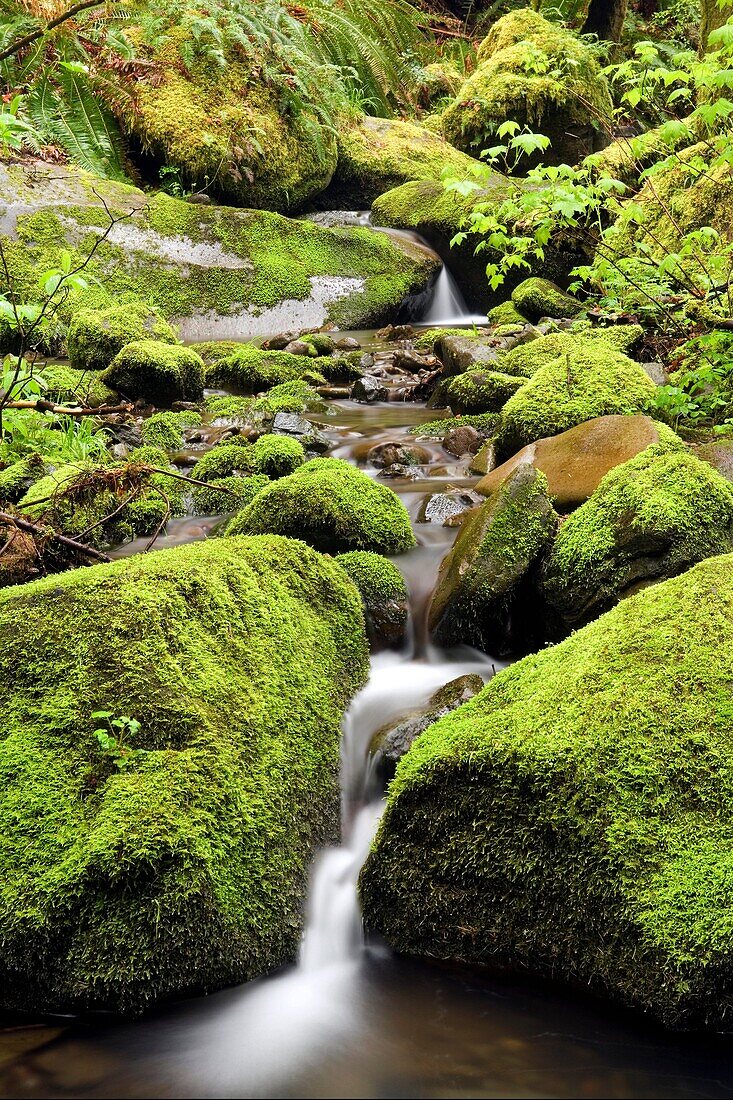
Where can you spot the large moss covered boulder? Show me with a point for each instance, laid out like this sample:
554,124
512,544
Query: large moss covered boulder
585,382
477,391
333,506
95,336
537,74
177,861
573,820
383,593
649,519
377,154
159,373
214,270
484,595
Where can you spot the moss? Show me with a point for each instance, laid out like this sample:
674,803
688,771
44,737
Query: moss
436,429
377,154
252,369
537,74
80,498
483,596
95,336
212,350
342,368
526,359
649,519
481,390
276,455
377,578
187,871
428,338
159,373
227,494
506,313
537,297
573,819
321,342
591,380
331,505
165,429
79,386
17,478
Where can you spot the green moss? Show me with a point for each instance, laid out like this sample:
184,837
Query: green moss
187,871
159,373
95,336
506,313
649,519
573,820
537,297
212,350
165,429
81,387
17,478
227,494
589,381
331,505
436,429
526,359
429,337
377,578
378,154
477,391
537,74
276,455
252,369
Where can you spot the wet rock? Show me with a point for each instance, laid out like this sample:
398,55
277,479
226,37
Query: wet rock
399,470
485,461
575,461
390,743
368,390
463,440
409,361
484,593
718,455
393,333
299,428
348,343
460,353
279,342
300,347
440,508
386,454
366,360
383,594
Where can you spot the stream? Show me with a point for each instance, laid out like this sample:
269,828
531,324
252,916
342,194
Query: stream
351,1019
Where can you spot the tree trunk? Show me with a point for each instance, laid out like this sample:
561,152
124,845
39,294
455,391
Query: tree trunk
605,18
712,17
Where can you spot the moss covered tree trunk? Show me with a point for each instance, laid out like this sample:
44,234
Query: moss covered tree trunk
712,16
606,19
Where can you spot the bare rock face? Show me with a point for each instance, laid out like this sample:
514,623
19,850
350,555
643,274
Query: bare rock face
575,461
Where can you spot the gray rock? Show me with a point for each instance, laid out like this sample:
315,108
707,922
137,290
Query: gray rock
461,353
368,390
439,508
299,428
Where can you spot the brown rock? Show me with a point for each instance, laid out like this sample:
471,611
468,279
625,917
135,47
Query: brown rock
463,440
575,461
719,455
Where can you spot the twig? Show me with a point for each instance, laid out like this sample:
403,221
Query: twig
44,532
61,410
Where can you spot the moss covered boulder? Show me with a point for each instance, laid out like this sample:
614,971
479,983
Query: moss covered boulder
213,270
177,863
252,369
573,820
377,154
331,505
77,387
575,461
588,381
477,391
535,73
483,596
527,358
537,297
649,519
383,592
95,336
159,373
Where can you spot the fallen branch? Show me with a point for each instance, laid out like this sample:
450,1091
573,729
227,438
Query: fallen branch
62,410
44,532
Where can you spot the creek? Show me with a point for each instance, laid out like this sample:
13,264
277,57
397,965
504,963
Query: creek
351,1019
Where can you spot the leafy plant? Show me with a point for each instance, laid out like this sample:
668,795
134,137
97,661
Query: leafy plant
15,132
113,739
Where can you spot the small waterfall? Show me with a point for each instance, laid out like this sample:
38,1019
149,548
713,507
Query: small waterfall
448,306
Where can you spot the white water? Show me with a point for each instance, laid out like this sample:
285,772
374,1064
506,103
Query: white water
448,306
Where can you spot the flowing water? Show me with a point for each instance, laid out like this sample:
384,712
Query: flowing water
350,1019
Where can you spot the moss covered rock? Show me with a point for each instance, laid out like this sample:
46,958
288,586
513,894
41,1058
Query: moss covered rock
649,519
506,313
333,506
537,297
159,373
537,74
253,369
78,387
483,594
271,455
477,391
383,592
223,495
589,381
165,429
185,868
17,478
527,358
213,269
573,819
377,154
96,336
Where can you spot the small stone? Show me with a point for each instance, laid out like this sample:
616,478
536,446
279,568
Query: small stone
463,440
348,343
387,454
441,508
367,390
399,470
